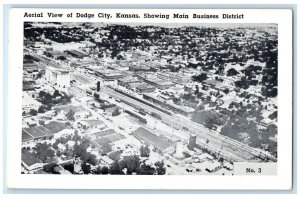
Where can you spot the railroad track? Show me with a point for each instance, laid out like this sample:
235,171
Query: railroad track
213,140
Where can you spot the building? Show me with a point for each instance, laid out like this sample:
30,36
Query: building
127,81
158,142
30,67
30,161
109,75
57,55
91,124
77,92
186,111
210,83
174,77
58,77
28,84
144,88
159,83
47,131
103,138
139,68
76,54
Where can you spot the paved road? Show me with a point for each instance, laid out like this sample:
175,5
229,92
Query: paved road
227,147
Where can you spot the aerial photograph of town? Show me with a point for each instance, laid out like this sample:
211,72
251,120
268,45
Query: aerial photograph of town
148,99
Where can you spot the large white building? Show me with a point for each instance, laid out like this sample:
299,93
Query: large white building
58,77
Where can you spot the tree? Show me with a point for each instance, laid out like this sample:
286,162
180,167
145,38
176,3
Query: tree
43,151
49,168
116,112
115,169
232,72
105,148
56,93
144,151
33,112
104,170
201,77
197,90
42,109
76,137
146,170
160,169
89,158
69,167
79,149
115,155
70,115
86,168
131,163
273,115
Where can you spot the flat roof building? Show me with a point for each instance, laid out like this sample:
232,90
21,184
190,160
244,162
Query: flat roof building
76,54
58,77
187,111
30,161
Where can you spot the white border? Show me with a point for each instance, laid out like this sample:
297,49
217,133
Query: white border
280,182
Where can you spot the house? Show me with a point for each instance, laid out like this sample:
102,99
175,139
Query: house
109,111
91,124
30,161
61,147
213,167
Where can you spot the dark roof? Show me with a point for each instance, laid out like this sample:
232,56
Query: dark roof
55,127
76,53
28,158
43,131
26,136
145,87
30,67
67,108
152,139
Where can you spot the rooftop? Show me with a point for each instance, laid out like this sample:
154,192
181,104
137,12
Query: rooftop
150,138
28,158
93,122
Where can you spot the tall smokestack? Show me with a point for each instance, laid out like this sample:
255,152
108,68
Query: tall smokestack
98,86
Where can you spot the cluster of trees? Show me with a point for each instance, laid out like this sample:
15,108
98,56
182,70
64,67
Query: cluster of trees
209,118
232,72
145,151
246,120
132,165
80,151
49,100
201,77
49,168
57,34
43,151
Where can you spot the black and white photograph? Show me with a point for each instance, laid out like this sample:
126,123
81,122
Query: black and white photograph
148,99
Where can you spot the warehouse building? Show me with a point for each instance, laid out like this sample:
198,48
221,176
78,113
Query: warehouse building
58,77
